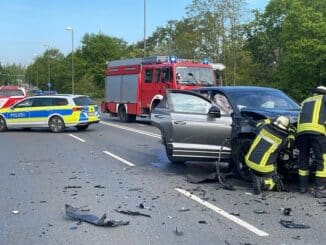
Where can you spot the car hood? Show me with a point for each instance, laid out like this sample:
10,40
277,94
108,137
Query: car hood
268,113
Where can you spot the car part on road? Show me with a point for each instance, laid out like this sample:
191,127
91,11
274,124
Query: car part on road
77,214
290,224
129,212
178,233
287,211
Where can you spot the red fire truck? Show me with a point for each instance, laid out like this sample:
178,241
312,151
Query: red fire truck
133,87
9,95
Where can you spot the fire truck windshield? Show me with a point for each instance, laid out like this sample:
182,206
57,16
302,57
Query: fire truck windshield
11,92
195,76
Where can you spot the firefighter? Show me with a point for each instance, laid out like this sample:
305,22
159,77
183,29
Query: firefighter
311,136
261,158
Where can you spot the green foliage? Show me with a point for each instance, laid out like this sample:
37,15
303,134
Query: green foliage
284,46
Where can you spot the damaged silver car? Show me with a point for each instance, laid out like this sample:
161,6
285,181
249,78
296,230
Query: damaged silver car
214,123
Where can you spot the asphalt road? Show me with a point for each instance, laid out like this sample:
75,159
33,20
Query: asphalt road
117,166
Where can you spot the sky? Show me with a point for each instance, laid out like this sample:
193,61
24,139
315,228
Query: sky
28,27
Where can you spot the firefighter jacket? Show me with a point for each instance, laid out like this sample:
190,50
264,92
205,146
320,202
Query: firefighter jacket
312,118
265,149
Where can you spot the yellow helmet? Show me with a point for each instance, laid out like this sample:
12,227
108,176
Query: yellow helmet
282,122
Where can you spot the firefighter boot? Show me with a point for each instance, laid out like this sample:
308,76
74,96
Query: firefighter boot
256,183
303,184
319,189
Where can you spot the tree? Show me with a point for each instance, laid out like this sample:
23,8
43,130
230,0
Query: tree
287,43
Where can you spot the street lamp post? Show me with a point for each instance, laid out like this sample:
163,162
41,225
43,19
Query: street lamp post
49,71
36,55
72,59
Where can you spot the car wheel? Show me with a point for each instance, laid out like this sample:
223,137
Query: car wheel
3,125
241,149
124,117
82,127
169,154
56,124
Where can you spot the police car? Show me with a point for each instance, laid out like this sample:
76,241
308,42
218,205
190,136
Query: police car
52,111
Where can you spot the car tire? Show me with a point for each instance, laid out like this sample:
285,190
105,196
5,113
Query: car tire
3,125
241,149
56,124
124,117
82,127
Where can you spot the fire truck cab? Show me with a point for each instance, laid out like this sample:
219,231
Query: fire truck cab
133,87
9,95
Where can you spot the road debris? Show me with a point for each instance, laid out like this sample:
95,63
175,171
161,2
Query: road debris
15,211
77,214
178,233
287,211
202,222
290,224
260,211
135,213
143,206
72,187
184,209
135,189
212,177
99,186
296,237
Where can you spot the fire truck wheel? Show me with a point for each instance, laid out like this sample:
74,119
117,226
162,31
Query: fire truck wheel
3,125
124,117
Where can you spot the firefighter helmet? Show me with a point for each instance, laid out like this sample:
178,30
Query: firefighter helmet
320,90
282,122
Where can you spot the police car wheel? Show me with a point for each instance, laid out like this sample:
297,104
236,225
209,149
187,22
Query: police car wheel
3,125
56,124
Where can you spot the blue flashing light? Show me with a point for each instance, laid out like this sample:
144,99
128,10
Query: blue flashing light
206,61
173,59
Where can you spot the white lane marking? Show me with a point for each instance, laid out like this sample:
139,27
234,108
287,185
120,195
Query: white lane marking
77,138
132,129
223,213
119,158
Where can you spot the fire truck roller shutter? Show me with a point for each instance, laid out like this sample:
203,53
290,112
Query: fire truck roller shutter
121,88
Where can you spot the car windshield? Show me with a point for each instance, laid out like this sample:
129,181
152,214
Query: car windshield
11,92
83,100
195,75
263,99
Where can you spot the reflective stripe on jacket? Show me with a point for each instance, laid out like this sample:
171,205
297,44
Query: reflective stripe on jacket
265,148
312,118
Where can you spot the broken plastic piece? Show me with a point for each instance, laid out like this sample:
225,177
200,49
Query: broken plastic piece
99,186
132,212
260,211
178,233
290,224
72,186
77,214
287,211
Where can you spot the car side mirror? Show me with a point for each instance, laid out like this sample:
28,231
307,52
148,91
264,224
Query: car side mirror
12,107
214,112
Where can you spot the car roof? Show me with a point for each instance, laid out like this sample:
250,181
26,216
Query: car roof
59,96
238,88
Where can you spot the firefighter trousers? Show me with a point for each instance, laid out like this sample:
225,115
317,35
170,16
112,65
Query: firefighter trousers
317,143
